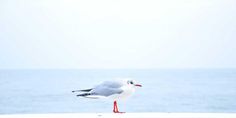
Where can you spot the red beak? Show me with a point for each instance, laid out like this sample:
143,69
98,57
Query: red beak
138,85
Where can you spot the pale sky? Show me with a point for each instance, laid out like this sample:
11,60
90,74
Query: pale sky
110,34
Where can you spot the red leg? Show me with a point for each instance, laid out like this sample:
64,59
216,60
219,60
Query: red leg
115,108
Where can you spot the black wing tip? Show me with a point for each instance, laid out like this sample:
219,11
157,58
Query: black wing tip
75,91
83,95
85,90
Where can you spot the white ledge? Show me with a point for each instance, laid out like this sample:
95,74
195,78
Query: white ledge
124,115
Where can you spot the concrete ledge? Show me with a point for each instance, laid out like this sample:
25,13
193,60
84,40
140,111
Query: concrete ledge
124,115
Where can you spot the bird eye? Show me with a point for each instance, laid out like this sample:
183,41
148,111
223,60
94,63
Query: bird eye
131,82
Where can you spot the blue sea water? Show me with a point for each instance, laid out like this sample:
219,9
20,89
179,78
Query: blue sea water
173,90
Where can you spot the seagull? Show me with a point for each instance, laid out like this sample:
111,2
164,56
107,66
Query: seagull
115,90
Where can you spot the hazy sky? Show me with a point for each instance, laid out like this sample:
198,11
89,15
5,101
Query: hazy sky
117,34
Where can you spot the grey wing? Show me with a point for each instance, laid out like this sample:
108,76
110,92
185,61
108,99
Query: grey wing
111,84
106,91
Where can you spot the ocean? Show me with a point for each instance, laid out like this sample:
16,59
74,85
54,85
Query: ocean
164,90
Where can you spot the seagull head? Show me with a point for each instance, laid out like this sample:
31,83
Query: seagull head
133,83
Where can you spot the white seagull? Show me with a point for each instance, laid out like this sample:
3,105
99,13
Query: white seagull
116,90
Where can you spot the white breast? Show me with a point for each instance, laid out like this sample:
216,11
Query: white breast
127,92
